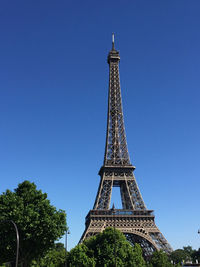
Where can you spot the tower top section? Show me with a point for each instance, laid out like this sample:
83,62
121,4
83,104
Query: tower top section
113,55
116,151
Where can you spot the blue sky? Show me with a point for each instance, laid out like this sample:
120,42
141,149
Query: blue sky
53,103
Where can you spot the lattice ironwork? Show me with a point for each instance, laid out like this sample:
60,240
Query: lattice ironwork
134,220
130,194
147,247
116,151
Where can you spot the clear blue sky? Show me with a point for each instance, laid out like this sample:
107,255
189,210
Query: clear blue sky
53,103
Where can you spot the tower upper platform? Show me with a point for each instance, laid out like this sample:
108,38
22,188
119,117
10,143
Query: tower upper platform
113,55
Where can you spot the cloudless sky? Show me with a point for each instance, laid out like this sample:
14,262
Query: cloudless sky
53,103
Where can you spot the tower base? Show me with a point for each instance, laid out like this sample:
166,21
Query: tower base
137,225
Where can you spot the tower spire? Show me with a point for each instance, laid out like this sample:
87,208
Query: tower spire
113,41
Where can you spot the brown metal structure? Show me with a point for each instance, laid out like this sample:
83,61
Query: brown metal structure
134,220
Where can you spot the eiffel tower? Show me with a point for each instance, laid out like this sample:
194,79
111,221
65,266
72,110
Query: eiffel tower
134,220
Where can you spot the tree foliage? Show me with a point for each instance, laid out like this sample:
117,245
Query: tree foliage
55,257
196,255
160,259
81,256
38,222
187,254
178,256
108,249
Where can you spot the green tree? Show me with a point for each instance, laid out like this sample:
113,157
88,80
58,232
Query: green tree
196,255
81,256
107,249
178,256
189,252
186,254
38,222
137,258
55,257
160,259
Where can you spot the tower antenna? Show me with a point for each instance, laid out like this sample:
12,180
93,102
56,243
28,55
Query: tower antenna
113,41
